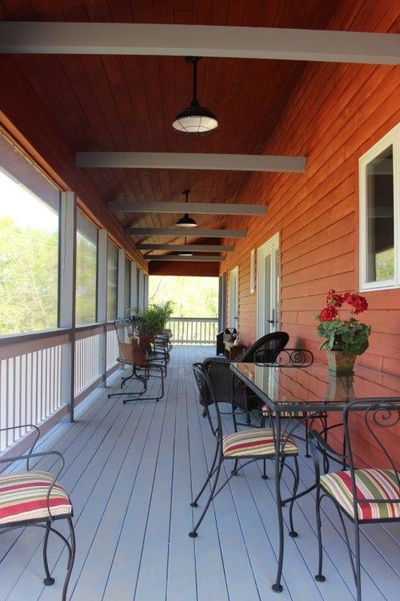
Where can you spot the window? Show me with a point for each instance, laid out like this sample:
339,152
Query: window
29,245
86,271
127,288
379,214
112,281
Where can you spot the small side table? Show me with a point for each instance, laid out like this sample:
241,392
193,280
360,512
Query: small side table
233,350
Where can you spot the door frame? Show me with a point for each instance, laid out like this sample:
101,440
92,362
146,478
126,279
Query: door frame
234,298
268,292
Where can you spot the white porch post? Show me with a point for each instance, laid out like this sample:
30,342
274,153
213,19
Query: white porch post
67,280
102,298
134,286
121,283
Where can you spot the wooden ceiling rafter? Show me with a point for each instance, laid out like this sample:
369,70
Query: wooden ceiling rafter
197,208
179,232
180,160
199,40
194,258
187,247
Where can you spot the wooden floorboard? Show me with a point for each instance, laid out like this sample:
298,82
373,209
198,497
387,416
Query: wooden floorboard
132,470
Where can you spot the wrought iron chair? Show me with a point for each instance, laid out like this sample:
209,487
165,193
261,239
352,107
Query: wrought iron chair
297,358
160,349
363,494
36,498
227,386
249,445
269,347
130,353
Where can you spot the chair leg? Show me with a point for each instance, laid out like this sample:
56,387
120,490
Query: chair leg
357,551
296,479
193,533
71,548
319,576
134,376
207,480
308,424
49,580
154,398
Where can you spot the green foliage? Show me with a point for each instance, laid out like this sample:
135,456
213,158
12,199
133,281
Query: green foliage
86,273
349,336
154,317
28,278
192,296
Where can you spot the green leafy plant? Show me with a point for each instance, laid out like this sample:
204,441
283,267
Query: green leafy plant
153,318
347,335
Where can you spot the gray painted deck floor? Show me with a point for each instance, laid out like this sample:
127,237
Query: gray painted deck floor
131,471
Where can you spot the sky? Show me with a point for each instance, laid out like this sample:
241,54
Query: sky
23,207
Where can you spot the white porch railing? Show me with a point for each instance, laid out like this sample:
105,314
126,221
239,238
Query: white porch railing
35,375
35,369
30,381
193,330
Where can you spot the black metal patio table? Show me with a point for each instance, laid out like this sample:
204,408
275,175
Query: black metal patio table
292,392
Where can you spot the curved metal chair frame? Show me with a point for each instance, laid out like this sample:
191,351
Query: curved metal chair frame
249,445
288,357
268,347
298,358
130,353
35,498
364,495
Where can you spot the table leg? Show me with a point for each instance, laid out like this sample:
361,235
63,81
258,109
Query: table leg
277,587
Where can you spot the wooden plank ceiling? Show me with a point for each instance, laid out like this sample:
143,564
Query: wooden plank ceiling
126,103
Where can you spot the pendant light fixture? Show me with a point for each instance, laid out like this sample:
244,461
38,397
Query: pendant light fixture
195,119
185,253
186,221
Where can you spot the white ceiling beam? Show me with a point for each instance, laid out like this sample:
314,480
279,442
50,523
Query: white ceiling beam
187,247
193,232
198,208
199,40
195,258
180,160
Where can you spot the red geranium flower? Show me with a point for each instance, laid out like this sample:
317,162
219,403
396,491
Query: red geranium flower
328,314
347,335
357,302
335,299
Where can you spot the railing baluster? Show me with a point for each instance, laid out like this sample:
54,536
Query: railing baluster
193,330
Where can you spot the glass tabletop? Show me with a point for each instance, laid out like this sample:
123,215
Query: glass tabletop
313,387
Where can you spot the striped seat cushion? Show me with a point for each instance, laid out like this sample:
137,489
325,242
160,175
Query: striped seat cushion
254,442
23,496
372,484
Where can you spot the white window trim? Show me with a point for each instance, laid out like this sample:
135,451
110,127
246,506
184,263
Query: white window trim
392,138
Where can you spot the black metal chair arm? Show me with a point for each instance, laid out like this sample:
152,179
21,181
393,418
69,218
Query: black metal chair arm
321,450
288,357
38,454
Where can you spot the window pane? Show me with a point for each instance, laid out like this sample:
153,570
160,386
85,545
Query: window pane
112,281
127,299
86,270
29,225
380,219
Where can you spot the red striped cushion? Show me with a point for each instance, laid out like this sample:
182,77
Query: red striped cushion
371,484
254,442
23,496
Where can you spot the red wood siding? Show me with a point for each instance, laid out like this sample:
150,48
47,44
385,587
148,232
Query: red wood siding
336,114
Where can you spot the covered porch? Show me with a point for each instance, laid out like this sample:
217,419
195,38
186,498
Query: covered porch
131,471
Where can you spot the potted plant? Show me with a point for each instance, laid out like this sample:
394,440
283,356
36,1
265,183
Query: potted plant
344,339
152,321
